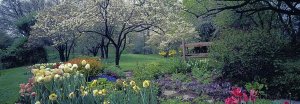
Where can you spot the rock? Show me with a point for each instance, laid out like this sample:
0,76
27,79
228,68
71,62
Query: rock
187,97
169,93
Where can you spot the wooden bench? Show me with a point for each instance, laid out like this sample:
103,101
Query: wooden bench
186,54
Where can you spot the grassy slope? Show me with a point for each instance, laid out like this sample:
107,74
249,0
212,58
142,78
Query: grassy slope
9,82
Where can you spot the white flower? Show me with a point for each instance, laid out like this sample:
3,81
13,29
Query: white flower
56,76
87,66
83,62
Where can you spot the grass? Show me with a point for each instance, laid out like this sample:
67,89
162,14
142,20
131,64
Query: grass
9,81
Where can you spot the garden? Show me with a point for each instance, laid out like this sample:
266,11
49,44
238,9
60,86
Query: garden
149,52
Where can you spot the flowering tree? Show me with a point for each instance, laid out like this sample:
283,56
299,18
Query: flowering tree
50,24
120,18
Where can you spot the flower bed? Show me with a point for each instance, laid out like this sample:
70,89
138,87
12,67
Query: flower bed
65,84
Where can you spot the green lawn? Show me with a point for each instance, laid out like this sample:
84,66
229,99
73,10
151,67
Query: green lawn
11,78
9,82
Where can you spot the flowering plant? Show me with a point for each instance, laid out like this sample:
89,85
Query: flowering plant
237,96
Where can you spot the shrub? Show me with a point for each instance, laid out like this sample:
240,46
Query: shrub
247,55
19,55
95,65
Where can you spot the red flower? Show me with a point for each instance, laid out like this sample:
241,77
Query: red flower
231,100
245,97
237,92
286,102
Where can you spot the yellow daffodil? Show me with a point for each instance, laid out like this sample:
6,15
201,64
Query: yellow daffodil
132,83
95,92
146,83
37,102
53,97
84,93
94,83
125,83
83,62
87,66
136,88
106,102
71,95
104,92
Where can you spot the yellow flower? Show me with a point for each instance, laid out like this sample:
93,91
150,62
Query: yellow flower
106,102
47,73
56,77
132,83
47,78
39,79
87,66
67,69
104,92
75,66
34,71
94,83
42,67
146,83
125,83
53,97
136,88
67,75
71,95
37,102
95,92
83,62
84,93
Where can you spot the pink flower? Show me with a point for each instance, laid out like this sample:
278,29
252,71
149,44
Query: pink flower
245,97
237,92
253,95
33,94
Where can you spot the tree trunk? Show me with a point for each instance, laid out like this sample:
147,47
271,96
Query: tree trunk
118,56
61,55
106,51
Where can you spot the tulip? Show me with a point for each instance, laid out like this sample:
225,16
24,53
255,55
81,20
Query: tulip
83,62
237,92
87,66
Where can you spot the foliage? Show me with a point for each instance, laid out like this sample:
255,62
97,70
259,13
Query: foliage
96,66
201,71
173,101
18,54
180,77
254,58
5,41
